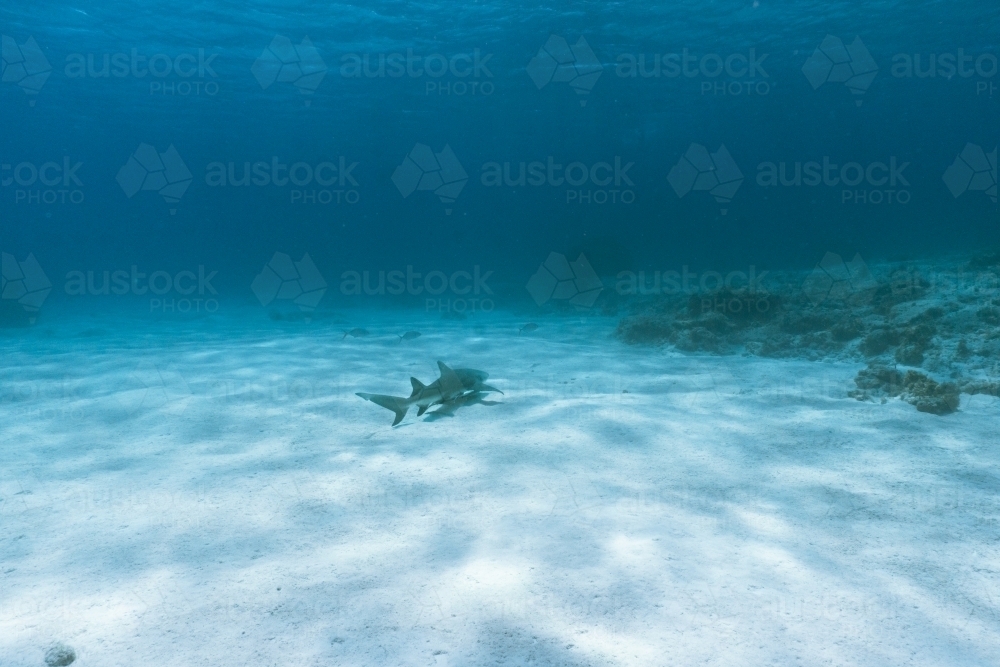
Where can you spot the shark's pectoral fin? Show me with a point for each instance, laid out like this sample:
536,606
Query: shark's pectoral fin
422,410
486,387
396,404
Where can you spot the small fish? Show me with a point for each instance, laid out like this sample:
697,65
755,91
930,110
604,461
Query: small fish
357,333
409,335
527,328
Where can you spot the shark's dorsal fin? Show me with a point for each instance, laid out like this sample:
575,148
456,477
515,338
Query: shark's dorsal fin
418,386
450,382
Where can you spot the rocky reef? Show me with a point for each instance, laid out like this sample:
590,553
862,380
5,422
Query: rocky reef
924,393
60,655
927,331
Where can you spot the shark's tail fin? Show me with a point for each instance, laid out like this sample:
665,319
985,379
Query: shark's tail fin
418,386
394,403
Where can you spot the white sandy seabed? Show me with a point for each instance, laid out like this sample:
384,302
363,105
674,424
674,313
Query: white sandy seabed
189,497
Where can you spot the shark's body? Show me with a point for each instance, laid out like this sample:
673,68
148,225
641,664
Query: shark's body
453,385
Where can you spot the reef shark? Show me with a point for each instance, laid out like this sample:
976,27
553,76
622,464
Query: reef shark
453,385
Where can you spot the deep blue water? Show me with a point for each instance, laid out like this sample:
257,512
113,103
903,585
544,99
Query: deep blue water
478,83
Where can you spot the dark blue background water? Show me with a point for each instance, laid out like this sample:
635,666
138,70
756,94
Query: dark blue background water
225,115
